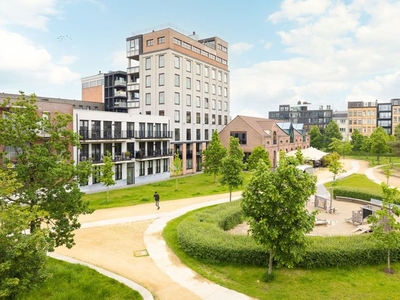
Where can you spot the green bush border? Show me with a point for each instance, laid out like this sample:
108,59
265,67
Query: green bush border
202,235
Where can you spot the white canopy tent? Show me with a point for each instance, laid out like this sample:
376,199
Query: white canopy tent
310,153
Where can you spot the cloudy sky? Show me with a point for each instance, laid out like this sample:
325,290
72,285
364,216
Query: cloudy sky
325,52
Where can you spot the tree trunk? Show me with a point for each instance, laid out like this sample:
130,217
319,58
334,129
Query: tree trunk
271,254
388,260
230,194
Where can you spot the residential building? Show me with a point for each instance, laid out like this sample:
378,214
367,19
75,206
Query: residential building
362,116
302,115
184,78
384,116
272,135
395,113
340,117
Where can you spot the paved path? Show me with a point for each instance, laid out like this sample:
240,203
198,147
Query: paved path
127,244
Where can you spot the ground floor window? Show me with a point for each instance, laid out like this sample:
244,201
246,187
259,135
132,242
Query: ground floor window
141,168
118,172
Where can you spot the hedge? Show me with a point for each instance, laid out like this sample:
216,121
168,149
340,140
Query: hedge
202,235
355,193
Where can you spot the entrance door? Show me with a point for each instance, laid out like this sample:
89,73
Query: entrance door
130,176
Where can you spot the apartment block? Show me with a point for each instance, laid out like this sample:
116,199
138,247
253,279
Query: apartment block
340,117
395,113
362,116
184,78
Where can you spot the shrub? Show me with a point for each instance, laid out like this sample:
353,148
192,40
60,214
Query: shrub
355,193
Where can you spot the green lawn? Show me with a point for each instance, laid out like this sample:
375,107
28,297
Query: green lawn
188,187
73,281
359,181
367,282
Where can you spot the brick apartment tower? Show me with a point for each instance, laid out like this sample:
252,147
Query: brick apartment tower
185,78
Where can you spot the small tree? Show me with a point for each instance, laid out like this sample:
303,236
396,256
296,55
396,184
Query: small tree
356,140
387,171
384,225
176,168
299,156
107,174
335,166
232,166
257,153
316,138
331,132
379,142
213,156
341,147
275,202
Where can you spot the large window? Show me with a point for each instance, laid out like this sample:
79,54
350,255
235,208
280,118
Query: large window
177,116
188,83
206,87
242,136
161,98
188,100
198,69
150,167
177,62
161,61
188,134
148,99
177,98
177,80
148,81
188,66
161,79
118,171
198,102
198,118
141,168
188,117
148,63
177,134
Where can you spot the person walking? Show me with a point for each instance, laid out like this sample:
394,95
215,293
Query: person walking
157,199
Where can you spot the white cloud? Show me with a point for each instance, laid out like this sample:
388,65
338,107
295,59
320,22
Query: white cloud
240,48
119,60
294,9
68,59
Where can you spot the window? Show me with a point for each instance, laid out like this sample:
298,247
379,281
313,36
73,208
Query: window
198,85
158,165
177,80
198,118
225,92
188,117
188,134
205,118
188,66
198,101
161,98
206,87
206,103
148,81
161,40
241,136
177,135
141,168
213,71
219,90
206,134
225,106
188,83
219,76
225,120
148,99
161,61
213,104
118,172
225,78
148,63
188,100
213,89
161,79
177,116
213,120
198,69
165,165
219,105
206,69
177,62
177,98
161,113
219,120
150,167
150,42
198,134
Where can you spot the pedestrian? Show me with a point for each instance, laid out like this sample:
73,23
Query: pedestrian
157,199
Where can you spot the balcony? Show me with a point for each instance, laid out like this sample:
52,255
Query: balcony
133,70
121,82
105,134
120,104
99,158
119,93
153,134
143,154
133,86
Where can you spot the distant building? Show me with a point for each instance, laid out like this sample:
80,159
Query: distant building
302,115
395,113
272,135
362,116
384,116
340,117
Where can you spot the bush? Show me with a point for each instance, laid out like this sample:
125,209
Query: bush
355,193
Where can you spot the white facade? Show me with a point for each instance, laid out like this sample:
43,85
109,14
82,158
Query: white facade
340,117
138,144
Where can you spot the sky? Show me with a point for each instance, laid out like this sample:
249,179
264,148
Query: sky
324,52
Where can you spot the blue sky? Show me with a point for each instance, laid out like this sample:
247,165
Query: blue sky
325,52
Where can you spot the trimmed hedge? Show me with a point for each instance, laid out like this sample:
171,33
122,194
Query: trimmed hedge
202,236
355,193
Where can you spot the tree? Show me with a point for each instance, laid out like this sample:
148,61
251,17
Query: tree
384,225
176,168
232,166
331,131
335,166
275,202
395,144
357,140
316,138
213,156
299,156
40,150
257,154
379,142
387,170
107,174
22,256
341,147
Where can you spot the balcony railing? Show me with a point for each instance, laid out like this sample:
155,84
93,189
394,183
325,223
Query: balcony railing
143,154
105,134
132,70
145,134
120,82
99,158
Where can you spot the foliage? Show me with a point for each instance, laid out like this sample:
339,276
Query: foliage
176,168
395,143
299,156
213,156
275,203
384,223
316,138
355,193
335,166
331,132
40,150
232,166
356,140
341,147
107,174
387,170
257,153
379,142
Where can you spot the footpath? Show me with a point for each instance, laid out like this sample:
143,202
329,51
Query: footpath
126,244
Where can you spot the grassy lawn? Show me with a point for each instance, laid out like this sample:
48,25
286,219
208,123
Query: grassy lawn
72,281
359,181
367,282
188,187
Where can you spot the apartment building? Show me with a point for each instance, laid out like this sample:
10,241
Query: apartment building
395,113
300,114
362,116
184,78
340,117
272,135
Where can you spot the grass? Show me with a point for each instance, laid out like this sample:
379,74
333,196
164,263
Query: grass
188,187
73,281
367,282
359,181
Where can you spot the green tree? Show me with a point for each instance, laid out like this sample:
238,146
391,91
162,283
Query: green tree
395,143
384,224
316,138
357,140
341,147
213,156
232,166
331,131
40,150
379,142
22,256
257,154
387,171
176,168
107,173
299,156
275,202
335,166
